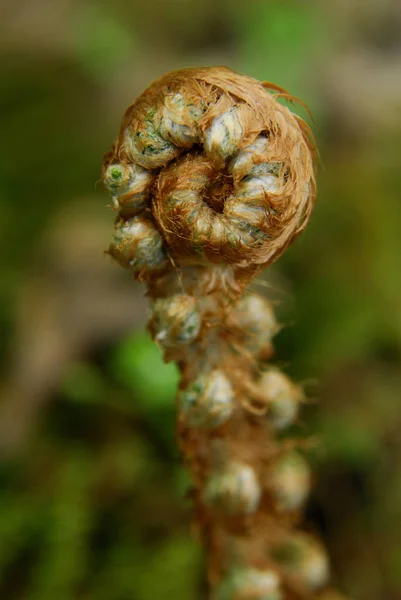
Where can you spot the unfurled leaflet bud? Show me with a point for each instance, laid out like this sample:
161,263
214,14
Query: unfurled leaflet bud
250,584
252,167
175,320
137,245
255,317
116,177
179,121
128,184
289,481
262,180
303,557
234,489
224,135
208,401
281,396
146,146
249,156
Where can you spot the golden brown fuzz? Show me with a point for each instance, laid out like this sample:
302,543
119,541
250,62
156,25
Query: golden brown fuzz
213,179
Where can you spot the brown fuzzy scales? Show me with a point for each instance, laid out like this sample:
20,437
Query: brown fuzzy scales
220,182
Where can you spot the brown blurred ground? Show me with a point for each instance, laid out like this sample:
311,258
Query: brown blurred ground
92,499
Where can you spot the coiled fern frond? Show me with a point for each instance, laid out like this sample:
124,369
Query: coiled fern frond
213,179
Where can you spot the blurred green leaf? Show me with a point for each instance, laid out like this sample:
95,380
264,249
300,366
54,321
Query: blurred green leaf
64,554
279,41
348,440
176,555
82,382
18,514
138,363
100,41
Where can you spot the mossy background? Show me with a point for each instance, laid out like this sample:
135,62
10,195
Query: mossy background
93,501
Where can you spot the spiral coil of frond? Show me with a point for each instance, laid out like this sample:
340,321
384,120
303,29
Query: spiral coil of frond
213,178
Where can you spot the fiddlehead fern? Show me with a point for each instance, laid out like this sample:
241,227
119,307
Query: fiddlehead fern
213,179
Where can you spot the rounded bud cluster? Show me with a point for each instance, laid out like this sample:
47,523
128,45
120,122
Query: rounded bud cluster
234,489
255,317
250,584
208,401
224,135
256,155
179,121
250,163
289,481
175,320
137,245
116,177
129,185
145,145
281,396
304,559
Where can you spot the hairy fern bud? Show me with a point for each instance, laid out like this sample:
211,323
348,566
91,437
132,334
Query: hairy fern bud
186,128
208,401
223,137
144,143
137,245
304,559
129,185
250,584
175,320
179,121
289,481
234,489
281,397
254,317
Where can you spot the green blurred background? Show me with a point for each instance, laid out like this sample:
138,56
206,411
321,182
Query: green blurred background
93,501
